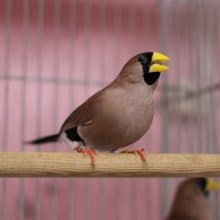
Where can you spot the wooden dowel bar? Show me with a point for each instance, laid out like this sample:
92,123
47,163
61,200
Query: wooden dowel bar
68,164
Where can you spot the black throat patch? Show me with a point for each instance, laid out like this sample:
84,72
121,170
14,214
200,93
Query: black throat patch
151,78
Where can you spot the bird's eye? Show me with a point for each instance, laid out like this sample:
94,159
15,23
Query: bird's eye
142,59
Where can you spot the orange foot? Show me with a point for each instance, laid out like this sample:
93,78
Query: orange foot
140,153
88,151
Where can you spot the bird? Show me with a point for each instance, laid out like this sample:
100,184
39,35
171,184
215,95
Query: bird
117,115
191,201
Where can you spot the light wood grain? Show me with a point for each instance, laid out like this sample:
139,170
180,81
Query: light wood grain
47,164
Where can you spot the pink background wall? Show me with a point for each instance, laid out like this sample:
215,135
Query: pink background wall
55,54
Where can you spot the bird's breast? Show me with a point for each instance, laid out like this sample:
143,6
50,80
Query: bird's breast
119,122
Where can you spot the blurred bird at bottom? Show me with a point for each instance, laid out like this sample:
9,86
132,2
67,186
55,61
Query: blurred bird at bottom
191,201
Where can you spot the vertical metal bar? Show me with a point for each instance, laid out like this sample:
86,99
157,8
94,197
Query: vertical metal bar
210,63
189,132
207,32
25,21
117,26
132,12
164,27
87,13
102,12
72,21
215,10
205,67
176,139
40,25
147,25
5,122
175,24
7,72
56,66
87,22
164,19
212,128
134,182
197,42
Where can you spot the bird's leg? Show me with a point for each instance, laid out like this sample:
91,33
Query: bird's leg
140,153
90,152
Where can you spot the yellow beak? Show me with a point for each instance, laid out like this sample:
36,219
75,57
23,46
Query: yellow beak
158,60
212,185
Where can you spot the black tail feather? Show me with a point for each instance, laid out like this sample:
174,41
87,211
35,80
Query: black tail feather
44,140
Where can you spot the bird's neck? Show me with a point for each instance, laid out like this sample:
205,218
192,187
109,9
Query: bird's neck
132,83
136,89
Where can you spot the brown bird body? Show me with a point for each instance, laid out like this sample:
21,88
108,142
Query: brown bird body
191,201
109,124
119,114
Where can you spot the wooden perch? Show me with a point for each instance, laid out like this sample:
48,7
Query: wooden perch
47,164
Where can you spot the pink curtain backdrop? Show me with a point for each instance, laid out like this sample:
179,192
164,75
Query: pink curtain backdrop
55,54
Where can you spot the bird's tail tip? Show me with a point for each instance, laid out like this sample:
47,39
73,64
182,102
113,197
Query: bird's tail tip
43,140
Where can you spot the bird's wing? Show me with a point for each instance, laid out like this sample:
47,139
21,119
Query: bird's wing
84,114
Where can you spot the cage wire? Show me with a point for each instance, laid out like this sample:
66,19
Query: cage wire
55,54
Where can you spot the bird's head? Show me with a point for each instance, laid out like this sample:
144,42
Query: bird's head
199,186
152,63
207,185
145,67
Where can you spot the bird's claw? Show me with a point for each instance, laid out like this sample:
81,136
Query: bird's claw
90,152
140,153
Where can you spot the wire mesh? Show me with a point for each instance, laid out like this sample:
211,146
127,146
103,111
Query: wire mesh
55,54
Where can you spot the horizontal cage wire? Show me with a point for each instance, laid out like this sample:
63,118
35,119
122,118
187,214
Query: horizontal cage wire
55,54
